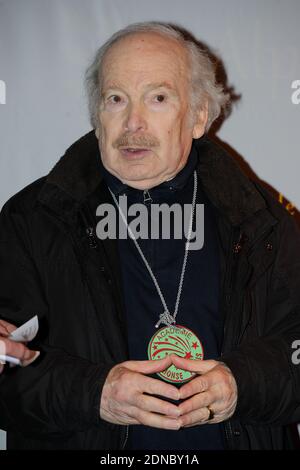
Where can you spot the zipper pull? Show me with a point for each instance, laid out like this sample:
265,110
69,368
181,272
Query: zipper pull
238,246
147,197
91,237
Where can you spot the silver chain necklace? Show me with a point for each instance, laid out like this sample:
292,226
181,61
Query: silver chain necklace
166,318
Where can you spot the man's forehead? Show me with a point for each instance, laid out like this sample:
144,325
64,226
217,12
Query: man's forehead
147,45
146,39
154,66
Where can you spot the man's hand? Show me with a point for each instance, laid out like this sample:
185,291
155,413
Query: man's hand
123,399
13,348
214,386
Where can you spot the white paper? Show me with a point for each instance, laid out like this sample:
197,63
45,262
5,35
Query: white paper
26,332
11,359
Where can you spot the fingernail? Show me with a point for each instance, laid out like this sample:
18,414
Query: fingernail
31,360
175,425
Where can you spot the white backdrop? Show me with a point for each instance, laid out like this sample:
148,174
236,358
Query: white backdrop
45,46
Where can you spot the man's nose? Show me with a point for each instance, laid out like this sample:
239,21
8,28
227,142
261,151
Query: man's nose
135,119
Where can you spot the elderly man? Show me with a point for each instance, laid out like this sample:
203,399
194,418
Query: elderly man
146,343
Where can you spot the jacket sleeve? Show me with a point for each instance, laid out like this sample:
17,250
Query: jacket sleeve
57,394
267,368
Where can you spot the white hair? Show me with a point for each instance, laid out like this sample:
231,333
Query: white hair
204,87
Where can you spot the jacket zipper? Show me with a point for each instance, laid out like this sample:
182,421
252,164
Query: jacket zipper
147,198
241,336
91,237
227,297
228,287
126,437
89,231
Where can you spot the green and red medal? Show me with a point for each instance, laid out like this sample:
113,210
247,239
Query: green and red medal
179,340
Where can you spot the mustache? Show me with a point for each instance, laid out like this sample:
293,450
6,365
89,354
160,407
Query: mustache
142,141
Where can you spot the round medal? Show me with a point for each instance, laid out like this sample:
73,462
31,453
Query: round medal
179,340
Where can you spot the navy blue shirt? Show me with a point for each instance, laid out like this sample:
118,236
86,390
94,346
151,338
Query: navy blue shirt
199,304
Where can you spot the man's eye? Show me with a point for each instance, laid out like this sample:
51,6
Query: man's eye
160,98
114,99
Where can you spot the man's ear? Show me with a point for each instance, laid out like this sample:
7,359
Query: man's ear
200,122
97,132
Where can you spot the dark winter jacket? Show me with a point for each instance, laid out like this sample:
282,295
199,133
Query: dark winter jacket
52,264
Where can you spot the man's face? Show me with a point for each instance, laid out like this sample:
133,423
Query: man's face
145,132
